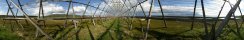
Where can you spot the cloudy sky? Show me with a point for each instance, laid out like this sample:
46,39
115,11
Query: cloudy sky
170,7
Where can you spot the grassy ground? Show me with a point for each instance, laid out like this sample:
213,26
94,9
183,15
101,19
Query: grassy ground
112,29
6,33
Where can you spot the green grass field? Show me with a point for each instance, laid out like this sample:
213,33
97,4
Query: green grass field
111,29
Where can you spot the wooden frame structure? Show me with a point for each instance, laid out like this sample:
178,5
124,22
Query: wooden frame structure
213,34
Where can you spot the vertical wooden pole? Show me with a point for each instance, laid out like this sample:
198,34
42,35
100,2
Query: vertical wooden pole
28,18
149,20
204,19
161,9
194,14
226,20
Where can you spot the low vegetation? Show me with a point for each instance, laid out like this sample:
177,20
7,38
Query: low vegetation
112,29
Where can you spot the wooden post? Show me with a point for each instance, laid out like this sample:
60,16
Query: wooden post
161,9
28,18
149,20
226,20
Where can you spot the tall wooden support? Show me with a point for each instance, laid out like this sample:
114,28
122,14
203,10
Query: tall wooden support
67,14
149,20
12,13
40,19
204,20
74,16
144,13
133,15
31,21
226,20
194,14
94,14
212,32
22,9
237,33
161,9
83,15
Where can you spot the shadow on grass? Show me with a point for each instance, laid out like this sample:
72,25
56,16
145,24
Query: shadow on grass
77,34
91,35
110,34
57,31
184,31
119,31
161,35
65,34
107,31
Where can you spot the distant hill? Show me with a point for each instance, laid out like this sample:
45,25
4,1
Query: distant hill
48,16
2,16
64,15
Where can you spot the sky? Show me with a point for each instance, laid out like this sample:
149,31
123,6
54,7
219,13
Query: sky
170,7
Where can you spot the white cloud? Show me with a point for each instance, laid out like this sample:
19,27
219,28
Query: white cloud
118,7
213,8
168,10
177,11
79,8
1,13
49,8
146,5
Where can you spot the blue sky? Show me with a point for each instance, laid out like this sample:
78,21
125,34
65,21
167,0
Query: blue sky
170,7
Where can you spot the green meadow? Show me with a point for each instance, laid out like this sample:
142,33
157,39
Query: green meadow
113,29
